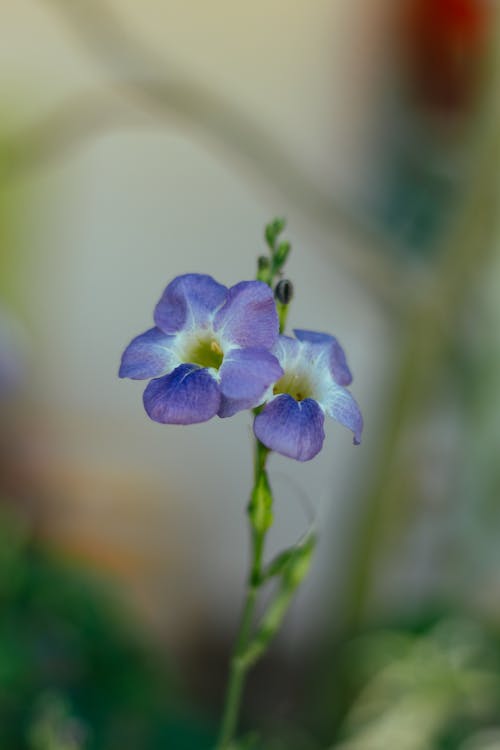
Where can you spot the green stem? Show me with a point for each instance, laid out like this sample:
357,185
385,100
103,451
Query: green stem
239,668
237,675
267,630
247,651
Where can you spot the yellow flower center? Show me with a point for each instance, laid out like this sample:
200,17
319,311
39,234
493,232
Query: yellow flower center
296,384
205,352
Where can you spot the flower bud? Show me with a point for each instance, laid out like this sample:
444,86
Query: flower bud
282,253
264,271
260,508
284,291
273,230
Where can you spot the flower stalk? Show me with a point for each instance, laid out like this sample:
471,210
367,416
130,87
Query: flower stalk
291,565
260,515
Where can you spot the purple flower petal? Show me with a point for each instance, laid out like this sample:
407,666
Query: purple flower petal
249,318
148,356
187,395
189,301
338,363
246,374
343,407
312,336
293,428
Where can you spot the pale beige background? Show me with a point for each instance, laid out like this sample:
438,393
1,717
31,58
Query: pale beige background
121,214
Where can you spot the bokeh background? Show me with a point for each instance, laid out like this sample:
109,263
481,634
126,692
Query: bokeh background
143,140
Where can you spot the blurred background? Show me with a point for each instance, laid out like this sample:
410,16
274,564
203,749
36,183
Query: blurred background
143,140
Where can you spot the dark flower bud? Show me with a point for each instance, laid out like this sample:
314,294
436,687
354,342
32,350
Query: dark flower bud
284,291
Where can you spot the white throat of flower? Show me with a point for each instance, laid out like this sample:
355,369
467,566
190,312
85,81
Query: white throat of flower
296,383
202,348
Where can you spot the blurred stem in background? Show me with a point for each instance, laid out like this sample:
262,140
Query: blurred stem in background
261,515
15,204
431,322
152,83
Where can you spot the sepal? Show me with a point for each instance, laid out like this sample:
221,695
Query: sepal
260,507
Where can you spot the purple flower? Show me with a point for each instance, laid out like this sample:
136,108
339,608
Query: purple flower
315,373
209,352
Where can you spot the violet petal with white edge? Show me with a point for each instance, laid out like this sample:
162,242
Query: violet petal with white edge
189,301
148,355
343,407
292,428
188,395
338,362
249,318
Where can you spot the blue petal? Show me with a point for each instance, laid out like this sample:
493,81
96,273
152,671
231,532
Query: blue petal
249,318
189,301
312,336
186,396
246,374
337,359
293,428
343,407
148,356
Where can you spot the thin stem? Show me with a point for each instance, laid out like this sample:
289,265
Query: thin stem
238,667
268,629
237,674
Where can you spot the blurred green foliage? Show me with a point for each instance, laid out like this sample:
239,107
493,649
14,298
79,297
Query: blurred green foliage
417,691
74,671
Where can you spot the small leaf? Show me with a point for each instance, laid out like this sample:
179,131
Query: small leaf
282,254
300,562
273,230
278,565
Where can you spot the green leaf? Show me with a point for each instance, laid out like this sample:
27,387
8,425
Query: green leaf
298,566
282,254
293,563
273,230
278,565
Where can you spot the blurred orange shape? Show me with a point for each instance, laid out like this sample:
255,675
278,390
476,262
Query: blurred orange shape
446,42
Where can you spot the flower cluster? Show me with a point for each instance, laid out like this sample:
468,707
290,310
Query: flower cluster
217,351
